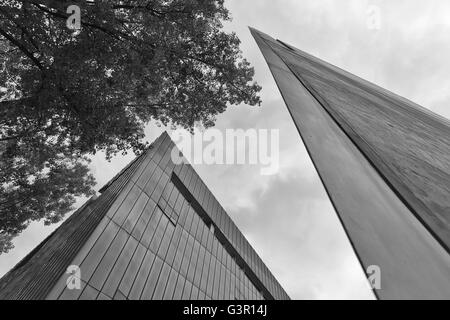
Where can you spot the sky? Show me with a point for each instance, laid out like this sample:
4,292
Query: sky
401,45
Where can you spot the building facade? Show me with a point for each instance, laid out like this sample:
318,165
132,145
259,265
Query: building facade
155,232
385,164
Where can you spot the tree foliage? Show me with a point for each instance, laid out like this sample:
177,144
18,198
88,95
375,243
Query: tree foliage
65,95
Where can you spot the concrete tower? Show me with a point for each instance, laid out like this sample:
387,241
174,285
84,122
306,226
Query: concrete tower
385,164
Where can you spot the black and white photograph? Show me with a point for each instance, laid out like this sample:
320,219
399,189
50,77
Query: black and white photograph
224,154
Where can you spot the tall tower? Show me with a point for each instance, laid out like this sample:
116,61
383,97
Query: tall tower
155,232
385,164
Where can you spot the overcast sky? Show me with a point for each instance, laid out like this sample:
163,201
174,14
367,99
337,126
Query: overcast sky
287,217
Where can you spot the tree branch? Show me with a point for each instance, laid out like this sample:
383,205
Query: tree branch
22,48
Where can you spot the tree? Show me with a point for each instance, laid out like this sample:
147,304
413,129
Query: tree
66,95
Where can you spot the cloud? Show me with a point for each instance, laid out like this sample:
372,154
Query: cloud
297,233
288,217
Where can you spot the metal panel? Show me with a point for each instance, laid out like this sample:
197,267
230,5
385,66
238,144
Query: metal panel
141,239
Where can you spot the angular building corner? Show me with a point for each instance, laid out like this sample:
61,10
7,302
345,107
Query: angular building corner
385,164
155,232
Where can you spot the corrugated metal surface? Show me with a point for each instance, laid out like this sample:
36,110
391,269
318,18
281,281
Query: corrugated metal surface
35,275
42,274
